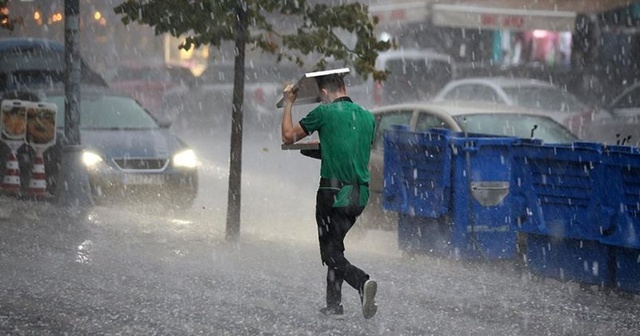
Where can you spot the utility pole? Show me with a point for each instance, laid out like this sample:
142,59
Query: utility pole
72,189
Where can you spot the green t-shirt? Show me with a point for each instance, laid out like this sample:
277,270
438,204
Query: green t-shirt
346,131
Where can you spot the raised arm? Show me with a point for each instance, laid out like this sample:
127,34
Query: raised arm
290,132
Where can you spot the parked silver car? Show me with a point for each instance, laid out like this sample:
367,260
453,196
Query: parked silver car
627,104
527,93
623,128
472,117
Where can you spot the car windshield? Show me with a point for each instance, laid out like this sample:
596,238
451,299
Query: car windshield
544,98
99,111
517,125
628,100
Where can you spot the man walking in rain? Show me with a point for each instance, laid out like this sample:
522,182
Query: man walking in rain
346,132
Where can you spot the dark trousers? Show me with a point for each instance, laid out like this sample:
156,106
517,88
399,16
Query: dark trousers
333,225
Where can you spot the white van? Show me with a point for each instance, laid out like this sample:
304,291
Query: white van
414,75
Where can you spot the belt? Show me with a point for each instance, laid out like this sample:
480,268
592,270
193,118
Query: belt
333,183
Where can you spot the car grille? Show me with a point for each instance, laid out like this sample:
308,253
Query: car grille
140,163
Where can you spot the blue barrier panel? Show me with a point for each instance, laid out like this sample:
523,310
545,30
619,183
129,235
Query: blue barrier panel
416,173
451,189
627,269
482,220
621,201
621,208
560,188
584,261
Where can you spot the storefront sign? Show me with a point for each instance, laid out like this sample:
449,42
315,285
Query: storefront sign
501,18
399,13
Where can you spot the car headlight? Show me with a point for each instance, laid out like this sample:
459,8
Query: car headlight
90,159
186,158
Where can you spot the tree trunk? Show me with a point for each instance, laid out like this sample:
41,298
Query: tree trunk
73,72
235,159
73,190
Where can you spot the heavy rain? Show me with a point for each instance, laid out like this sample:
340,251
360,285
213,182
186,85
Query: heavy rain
504,174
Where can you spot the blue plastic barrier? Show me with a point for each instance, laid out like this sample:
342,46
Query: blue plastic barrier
465,196
557,189
417,172
621,209
451,190
558,196
584,261
627,271
621,201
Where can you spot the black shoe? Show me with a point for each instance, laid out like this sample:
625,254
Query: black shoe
368,298
336,312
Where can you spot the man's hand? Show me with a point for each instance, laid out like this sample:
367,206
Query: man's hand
289,94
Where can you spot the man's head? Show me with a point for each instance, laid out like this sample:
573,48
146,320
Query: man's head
331,87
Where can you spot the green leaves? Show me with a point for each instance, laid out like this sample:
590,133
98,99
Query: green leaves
287,29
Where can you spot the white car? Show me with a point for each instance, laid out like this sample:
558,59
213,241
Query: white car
623,128
531,94
485,118
627,104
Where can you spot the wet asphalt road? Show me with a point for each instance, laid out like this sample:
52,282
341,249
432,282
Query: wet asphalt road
139,270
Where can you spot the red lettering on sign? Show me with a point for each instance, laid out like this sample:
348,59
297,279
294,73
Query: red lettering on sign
397,14
488,20
513,21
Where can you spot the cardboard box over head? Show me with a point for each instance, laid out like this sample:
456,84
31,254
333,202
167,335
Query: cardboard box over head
307,86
